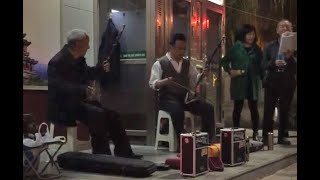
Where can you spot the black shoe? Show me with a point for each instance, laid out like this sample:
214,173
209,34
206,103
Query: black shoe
265,141
131,156
284,141
286,134
255,136
136,156
162,167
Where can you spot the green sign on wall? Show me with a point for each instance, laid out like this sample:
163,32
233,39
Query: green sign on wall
133,55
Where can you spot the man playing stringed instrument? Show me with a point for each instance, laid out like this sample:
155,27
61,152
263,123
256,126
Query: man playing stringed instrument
69,90
172,75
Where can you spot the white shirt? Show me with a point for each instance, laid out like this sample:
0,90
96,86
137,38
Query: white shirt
156,72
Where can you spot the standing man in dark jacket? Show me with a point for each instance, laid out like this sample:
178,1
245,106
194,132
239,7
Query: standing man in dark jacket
280,84
68,91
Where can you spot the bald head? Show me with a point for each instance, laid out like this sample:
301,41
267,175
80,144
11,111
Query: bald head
76,35
284,26
78,42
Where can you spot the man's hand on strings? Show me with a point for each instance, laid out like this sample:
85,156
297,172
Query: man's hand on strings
168,80
288,54
106,66
90,92
163,82
235,73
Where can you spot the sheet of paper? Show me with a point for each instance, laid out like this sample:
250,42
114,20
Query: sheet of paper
288,41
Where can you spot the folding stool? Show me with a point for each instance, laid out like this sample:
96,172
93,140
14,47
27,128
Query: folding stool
31,162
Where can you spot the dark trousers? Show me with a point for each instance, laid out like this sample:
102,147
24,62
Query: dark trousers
102,124
273,94
203,109
237,109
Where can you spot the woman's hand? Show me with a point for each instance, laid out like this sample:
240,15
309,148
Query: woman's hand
235,73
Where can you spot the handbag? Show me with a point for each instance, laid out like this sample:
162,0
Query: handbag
215,162
47,137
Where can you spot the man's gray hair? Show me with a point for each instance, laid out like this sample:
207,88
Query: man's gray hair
76,35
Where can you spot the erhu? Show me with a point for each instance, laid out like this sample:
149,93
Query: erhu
96,94
194,95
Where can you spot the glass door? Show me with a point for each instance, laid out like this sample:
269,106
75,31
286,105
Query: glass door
214,43
206,29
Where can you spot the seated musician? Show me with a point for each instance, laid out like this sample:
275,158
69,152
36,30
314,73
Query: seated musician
169,75
69,90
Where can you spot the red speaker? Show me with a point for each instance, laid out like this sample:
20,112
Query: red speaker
194,154
233,146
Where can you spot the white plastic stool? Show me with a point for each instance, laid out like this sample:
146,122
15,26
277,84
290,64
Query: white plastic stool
171,137
73,144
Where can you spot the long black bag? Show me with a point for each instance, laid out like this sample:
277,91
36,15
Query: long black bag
106,164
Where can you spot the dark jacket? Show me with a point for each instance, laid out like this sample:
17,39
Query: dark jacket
237,58
67,83
108,40
272,77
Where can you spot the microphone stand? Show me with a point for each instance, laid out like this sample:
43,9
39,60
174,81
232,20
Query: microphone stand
207,65
210,59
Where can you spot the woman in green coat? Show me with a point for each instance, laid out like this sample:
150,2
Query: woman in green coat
242,62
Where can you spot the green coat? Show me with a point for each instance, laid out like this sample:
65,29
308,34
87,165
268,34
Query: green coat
238,58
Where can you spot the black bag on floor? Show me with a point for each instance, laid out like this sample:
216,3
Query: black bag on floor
255,146
105,164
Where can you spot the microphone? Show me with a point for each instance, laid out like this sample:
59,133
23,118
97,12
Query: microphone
223,40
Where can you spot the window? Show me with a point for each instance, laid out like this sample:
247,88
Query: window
132,14
181,20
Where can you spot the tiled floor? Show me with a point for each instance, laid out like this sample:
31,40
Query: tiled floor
288,173
257,159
